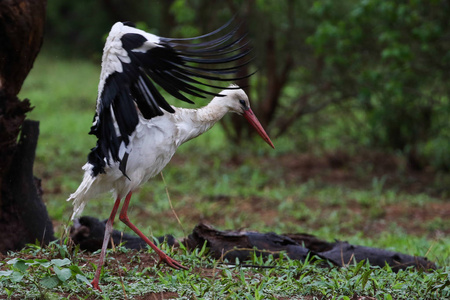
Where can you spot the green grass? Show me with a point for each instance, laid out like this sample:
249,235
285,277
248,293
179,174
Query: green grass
230,187
59,273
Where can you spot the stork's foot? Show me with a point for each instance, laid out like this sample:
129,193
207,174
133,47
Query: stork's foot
164,258
95,284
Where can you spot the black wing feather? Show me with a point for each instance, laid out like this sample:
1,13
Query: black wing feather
176,65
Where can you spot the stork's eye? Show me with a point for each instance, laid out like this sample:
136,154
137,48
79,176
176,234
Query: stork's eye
242,102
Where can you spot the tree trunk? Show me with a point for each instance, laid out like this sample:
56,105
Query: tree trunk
23,217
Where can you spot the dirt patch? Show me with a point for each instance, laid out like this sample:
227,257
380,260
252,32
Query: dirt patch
416,220
357,171
158,296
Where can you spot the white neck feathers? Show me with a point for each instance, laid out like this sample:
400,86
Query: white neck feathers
193,122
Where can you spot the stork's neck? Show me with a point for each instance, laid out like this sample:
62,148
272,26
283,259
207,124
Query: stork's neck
212,112
193,122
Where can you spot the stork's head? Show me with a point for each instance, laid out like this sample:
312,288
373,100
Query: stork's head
237,102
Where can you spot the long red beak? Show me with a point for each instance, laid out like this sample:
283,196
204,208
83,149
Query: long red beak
251,118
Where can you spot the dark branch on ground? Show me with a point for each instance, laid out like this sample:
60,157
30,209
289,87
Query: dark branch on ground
229,245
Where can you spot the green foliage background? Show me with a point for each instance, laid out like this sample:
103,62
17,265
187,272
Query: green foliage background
383,64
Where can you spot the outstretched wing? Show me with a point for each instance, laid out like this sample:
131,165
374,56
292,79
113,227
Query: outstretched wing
135,62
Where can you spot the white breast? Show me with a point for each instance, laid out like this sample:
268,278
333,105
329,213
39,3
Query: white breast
152,146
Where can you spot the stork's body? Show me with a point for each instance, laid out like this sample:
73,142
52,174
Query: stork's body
154,142
137,131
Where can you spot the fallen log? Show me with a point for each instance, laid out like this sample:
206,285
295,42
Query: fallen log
241,244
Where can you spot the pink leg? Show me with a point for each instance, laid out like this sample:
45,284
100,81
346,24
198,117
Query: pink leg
108,230
162,256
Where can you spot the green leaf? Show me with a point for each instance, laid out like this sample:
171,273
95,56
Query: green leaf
63,274
49,282
387,297
6,273
83,278
46,264
12,261
8,292
75,269
21,265
61,262
365,278
358,267
33,262
16,276
36,261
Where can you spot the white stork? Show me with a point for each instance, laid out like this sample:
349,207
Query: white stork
138,132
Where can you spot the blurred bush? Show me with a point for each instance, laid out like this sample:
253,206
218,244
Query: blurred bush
383,64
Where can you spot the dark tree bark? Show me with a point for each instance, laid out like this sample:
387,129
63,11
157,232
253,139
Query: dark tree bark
21,33
23,217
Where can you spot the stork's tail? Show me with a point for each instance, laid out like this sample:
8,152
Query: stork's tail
84,192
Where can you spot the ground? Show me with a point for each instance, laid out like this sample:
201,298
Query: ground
348,177
368,170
